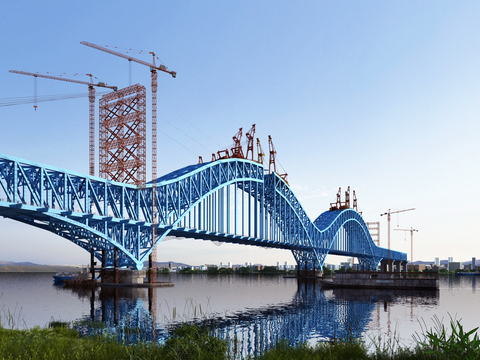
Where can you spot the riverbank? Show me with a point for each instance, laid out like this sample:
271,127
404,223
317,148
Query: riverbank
61,341
38,268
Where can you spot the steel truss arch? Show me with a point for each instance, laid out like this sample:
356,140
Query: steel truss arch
230,200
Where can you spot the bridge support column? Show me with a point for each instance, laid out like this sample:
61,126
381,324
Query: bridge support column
404,266
150,269
390,265
383,265
398,266
115,265
92,263
102,275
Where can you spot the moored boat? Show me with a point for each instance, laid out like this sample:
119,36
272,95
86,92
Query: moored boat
70,275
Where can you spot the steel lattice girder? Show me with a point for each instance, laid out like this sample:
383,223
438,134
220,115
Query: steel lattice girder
230,200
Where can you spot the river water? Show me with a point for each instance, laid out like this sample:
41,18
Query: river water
255,311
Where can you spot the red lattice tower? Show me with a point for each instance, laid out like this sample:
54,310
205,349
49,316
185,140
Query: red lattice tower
122,140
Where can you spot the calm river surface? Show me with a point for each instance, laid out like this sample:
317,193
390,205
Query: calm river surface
250,309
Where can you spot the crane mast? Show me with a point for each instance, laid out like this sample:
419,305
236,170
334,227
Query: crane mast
388,213
91,107
412,230
153,69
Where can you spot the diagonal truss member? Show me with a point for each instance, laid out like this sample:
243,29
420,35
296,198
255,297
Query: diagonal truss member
123,135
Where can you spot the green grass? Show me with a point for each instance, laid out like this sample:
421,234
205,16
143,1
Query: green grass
61,341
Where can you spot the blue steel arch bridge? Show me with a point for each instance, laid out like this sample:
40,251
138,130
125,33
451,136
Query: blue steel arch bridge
230,200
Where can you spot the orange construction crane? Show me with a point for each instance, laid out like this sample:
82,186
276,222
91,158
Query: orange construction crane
260,153
250,136
272,159
389,212
412,230
153,69
336,205
91,99
237,151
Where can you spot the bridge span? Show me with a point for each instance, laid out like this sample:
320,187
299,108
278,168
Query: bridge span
229,200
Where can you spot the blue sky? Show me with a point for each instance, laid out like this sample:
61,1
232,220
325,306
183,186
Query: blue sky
380,96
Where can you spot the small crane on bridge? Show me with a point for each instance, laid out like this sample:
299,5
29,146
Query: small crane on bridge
153,69
412,230
91,99
388,213
272,159
260,153
237,151
250,136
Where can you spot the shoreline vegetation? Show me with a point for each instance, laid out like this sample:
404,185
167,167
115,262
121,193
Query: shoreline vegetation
60,340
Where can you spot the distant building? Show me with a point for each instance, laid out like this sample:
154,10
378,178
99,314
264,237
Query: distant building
452,266
437,261
450,259
474,264
411,267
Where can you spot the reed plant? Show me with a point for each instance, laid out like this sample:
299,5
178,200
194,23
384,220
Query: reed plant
449,343
11,319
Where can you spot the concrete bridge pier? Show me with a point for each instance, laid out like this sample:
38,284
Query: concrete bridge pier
115,265
306,272
150,268
104,260
383,265
404,266
92,263
395,266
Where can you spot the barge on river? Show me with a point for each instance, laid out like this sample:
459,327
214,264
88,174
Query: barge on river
382,280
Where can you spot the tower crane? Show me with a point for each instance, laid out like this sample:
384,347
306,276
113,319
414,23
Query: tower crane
412,230
91,99
153,69
388,213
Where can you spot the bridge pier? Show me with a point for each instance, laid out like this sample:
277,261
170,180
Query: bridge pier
115,265
92,263
150,269
383,265
102,274
404,266
394,266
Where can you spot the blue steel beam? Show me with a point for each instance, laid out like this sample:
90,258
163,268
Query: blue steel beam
231,200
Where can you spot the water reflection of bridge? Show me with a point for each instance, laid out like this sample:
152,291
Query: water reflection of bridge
312,314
